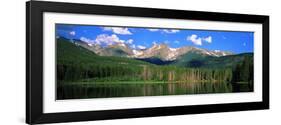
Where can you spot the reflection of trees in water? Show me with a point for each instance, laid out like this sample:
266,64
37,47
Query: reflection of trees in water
78,91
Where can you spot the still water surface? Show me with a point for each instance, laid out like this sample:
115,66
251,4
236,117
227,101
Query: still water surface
106,90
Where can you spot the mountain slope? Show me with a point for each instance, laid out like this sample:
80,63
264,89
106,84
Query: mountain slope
193,60
155,60
160,51
119,50
69,53
184,59
159,54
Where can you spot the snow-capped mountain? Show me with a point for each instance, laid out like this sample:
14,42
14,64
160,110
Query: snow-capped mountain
161,51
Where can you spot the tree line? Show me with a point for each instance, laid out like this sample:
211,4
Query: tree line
76,71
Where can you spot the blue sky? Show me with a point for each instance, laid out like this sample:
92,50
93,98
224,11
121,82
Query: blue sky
141,38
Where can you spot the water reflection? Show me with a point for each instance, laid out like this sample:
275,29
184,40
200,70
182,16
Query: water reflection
84,90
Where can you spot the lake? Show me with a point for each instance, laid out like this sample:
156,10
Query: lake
107,90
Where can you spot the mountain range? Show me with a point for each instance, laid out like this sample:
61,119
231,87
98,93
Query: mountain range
158,54
160,51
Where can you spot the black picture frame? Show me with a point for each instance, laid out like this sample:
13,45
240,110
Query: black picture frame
34,62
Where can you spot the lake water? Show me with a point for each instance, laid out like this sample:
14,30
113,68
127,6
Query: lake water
106,90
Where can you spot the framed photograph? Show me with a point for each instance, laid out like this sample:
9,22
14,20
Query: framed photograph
95,62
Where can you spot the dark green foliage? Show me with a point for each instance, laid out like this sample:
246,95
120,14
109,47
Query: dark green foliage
75,62
156,61
199,61
117,52
244,72
187,60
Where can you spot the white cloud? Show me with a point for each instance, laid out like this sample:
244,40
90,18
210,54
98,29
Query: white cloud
84,39
106,40
199,40
118,30
170,31
141,47
130,41
194,39
208,39
72,33
164,30
153,30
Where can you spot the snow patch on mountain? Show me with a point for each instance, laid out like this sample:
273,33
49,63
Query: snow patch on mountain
162,51
137,53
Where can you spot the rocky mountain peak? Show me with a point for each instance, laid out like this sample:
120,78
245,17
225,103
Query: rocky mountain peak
161,51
